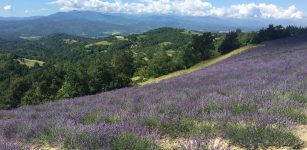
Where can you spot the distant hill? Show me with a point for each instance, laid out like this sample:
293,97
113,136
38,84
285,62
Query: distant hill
95,24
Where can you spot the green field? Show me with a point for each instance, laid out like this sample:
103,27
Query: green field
100,43
30,63
199,66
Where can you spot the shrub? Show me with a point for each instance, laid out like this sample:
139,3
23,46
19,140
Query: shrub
113,119
16,129
85,140
129,141
208,128
289,95
184,127
213,108
224,92
91,118
151,122
290,112
299,98
8,116
47,135
253,137
241,108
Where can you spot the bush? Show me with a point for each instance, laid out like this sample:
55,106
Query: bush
182,128
16,129
151,122
91,118
213,108
49,135
290,112
113,119
129,141
241,108
254,137
84,140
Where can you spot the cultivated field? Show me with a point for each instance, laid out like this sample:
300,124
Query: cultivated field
256,99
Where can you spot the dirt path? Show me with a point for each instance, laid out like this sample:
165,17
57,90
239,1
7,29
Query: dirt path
301,132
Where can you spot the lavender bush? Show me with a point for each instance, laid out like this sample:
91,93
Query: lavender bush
252,99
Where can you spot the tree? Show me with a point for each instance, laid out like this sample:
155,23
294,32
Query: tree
74,84
203,44
122,61
230,43
190,57
271,33
100,77
123,68
17,90
160,64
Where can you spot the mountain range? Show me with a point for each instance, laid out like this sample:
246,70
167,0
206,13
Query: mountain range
95,24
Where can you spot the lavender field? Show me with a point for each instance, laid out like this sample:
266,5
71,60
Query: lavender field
253,100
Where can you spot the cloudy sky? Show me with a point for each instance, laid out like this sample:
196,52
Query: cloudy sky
268,9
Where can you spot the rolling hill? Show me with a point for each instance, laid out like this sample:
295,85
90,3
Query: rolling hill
253,100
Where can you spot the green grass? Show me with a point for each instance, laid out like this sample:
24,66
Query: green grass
163,44
192,32
100,43
199,66
120,37
30,63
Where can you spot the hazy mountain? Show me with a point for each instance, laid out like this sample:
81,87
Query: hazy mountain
94,24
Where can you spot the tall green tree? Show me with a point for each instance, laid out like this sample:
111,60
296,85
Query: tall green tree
160,64
190,56
123,68
203,44
230,43
100,77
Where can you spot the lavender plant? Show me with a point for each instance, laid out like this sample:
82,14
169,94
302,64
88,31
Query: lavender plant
252,99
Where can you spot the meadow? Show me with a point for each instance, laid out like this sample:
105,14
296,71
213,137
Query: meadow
252,100
30,63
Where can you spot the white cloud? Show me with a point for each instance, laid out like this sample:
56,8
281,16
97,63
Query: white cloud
183,7
8,8
263,10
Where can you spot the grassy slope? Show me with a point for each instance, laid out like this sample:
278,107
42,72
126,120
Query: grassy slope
98,44
30,63
199,66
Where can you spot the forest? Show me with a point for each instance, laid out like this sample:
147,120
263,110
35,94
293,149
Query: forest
61,66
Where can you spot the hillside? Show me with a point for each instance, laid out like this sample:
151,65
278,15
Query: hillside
252,100
199,66
70,66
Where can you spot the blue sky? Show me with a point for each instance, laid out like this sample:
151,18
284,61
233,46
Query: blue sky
277,9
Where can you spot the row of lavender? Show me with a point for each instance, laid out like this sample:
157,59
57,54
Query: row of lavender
252,99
